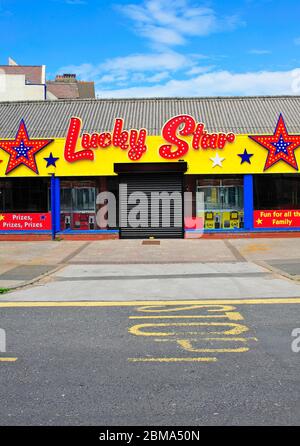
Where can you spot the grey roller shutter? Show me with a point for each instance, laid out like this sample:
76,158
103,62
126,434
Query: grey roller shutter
158,224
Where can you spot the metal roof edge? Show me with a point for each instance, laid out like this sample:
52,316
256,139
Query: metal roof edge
175,98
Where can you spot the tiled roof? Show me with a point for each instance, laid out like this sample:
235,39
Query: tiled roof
247,115
63,90
33,74
71,90
86,89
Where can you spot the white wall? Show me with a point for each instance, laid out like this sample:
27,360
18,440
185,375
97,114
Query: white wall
14,88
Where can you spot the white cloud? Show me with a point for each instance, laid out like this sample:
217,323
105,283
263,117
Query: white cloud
218,83
142,77
259,52
199,70
153,75
168,23
134,68
147,62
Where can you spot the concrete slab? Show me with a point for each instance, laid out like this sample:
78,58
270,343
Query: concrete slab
81,271
268,249
41,252
159,289
6,267
26,272
133,251
291,268
7,284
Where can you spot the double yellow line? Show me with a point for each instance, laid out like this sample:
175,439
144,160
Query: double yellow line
45,304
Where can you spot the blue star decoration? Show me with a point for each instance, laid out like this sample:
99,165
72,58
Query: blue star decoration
245,157
22,150
281,146
51,160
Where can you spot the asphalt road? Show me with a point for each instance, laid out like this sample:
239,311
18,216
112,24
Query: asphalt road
101,365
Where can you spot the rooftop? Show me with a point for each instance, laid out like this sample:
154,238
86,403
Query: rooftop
33,73
67,86
248,115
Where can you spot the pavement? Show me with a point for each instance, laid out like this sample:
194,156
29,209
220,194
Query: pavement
121,270
23,262
167,364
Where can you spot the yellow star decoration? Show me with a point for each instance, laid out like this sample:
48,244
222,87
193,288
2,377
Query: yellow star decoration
2,217
259,221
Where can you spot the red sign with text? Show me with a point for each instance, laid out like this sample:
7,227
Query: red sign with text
277,219
25,222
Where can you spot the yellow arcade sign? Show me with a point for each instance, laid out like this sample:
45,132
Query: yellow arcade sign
81,154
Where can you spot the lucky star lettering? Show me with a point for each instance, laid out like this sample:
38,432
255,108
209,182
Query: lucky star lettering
135,140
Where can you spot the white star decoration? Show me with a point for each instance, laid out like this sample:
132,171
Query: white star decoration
217,160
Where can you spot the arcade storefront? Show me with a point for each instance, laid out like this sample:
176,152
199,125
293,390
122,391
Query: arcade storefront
226,181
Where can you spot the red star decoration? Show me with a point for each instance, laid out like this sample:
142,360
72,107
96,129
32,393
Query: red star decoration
22,150
281,146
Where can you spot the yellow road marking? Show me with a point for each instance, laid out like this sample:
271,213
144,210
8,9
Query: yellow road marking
262,301
160,317
187,345
209,339
172,359
235,330
8,359
233,316
160,309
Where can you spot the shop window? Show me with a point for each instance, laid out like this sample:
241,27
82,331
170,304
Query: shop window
222,197
66,199
78,201
276,192
219,201
24,195
84,199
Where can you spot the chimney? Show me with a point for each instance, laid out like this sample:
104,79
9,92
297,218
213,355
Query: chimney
66,77
43,74
12,62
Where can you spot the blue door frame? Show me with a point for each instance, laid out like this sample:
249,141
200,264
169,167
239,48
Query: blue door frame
55,205
248,202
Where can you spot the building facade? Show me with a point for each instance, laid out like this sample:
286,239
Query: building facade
140,168
22,82
28,83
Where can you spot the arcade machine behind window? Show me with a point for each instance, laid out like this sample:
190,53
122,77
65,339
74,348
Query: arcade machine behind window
78,206
223,203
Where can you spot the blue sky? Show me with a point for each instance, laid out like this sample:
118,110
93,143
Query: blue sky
153,48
